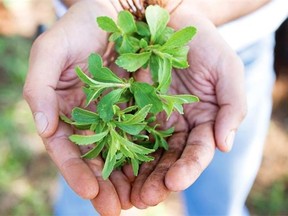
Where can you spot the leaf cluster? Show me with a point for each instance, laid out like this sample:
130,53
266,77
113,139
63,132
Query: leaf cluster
149,44
129,135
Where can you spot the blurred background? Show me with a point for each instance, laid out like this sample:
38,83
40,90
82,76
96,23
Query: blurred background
28,178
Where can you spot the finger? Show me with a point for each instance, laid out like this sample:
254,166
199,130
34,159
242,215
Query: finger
107,201
67,158
232,103
143,75
145,170
154,189
196,156
41,81
123,188
128,171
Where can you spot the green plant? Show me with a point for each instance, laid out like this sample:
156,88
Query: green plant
271,200
131,134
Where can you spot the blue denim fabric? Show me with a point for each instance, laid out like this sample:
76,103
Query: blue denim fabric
223,187
68,203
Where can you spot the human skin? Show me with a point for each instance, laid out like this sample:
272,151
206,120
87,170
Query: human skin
217,11
215,75
52,87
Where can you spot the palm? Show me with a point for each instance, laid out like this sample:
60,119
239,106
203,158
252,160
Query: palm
65,46
215,75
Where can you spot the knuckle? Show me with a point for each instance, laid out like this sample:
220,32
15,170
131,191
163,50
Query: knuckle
243,111
27,92
48,144
39,42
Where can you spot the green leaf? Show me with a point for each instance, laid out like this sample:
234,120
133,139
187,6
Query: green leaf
129,109
126,22
114,36
144,158
127,44
176,101
133,129
179,57
78,125
116,140
92,94
84,116
133,61
134,147
181,99
135,166
126,96
163,143
157,19
130,145
95,151
164,74
110,162
143,43
105,105
166,34
161,68
125,150
146,94
84,78
87,139
154,67
166,133
100,73
168,108
179,108
120,161
143,29
140,137
180,38
139,116
107,24
159,137
65,119
98,128
114,143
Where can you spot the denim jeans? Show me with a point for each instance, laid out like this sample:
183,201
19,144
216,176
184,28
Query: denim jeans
223,187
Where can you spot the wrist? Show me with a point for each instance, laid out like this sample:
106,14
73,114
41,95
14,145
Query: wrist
222,11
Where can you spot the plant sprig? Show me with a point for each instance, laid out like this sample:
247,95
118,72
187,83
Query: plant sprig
129,135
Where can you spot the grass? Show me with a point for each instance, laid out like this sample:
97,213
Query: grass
20,193
270,201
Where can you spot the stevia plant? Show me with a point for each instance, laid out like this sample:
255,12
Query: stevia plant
129,135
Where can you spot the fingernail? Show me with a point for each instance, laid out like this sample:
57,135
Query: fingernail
230,139
41,122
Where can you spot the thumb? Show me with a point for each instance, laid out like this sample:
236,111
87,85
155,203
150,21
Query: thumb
232,104
39,88
43,104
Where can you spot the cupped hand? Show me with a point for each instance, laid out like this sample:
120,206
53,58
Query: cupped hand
52,88
216,76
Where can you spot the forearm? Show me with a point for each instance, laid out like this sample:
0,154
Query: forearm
218,11
69,3
223,11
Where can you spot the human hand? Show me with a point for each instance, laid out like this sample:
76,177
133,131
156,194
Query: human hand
52,88
216,76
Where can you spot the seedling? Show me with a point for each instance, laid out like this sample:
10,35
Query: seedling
129,135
